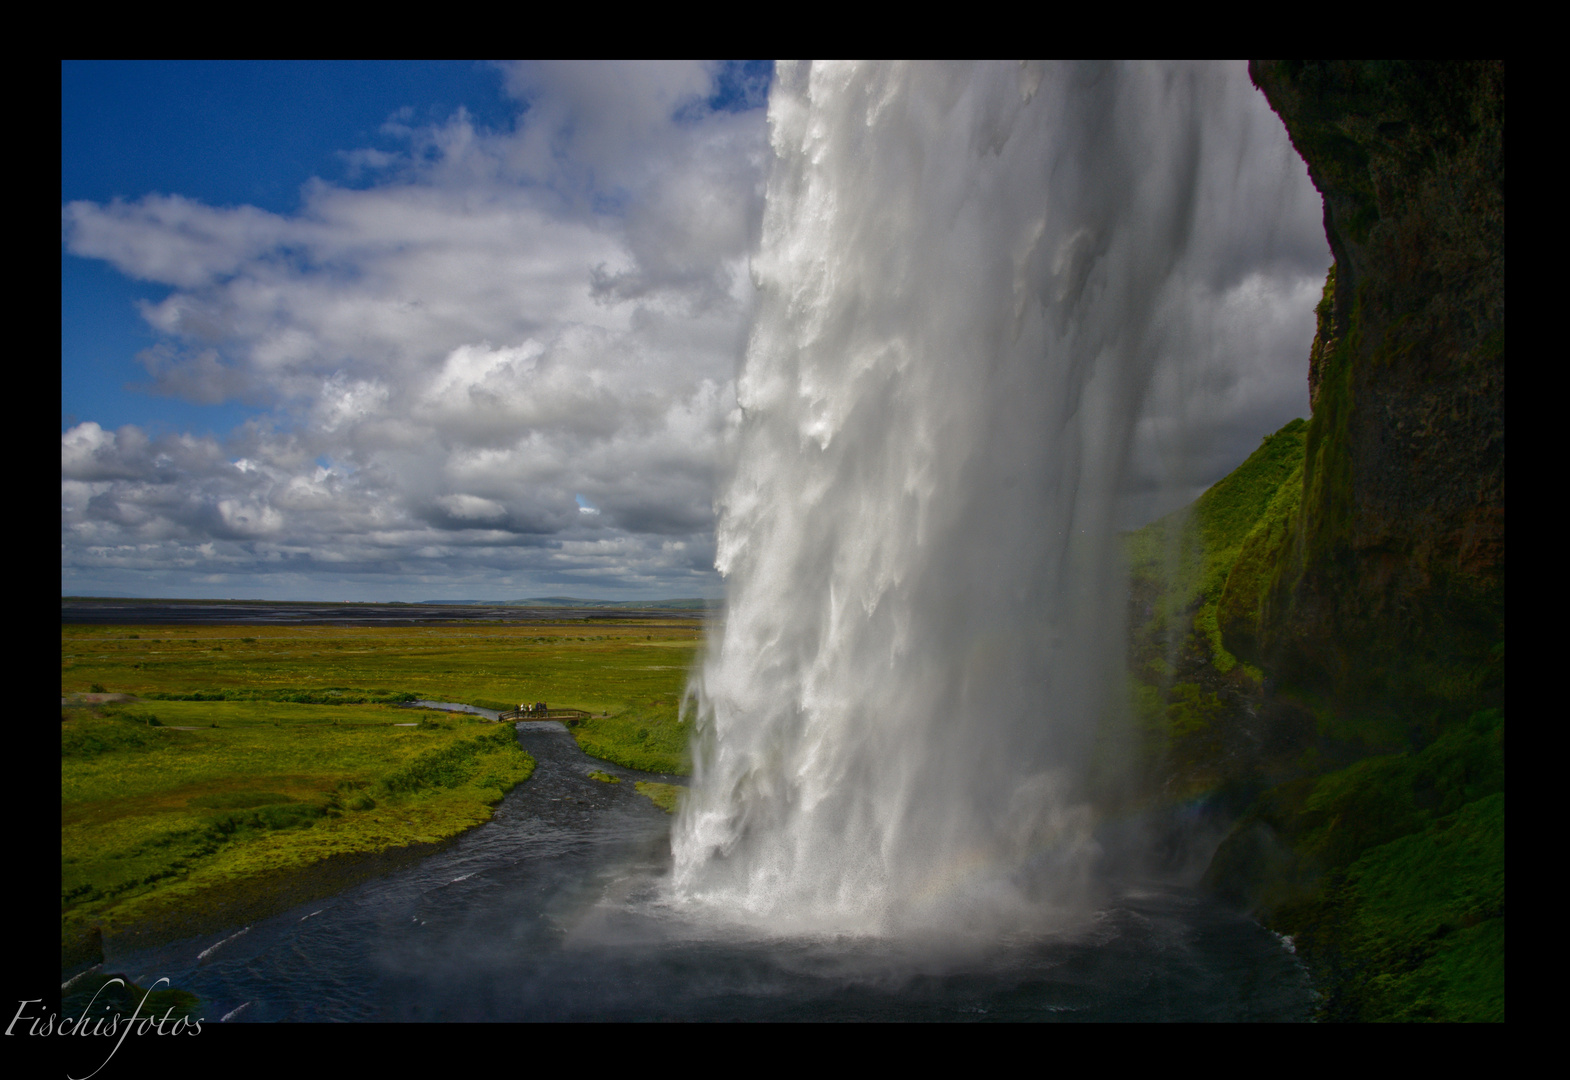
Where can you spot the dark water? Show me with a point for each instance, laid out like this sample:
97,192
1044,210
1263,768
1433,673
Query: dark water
551,912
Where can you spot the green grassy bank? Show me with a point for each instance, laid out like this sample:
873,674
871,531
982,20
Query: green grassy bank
164,831
1373,836
1390,874
260,767
1189,695
631,671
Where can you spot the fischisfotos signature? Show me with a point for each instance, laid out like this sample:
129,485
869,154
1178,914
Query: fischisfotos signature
40,1021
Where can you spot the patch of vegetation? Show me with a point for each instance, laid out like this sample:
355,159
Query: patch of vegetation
666,796
1184,558
1189,695
96,734
1190,709
1304,594
636,666
239,800
1378,839
296,778
649,739
99,994
1244,604
1327,466
1415,929
604,777
157,822
1390,873
447,766
337,695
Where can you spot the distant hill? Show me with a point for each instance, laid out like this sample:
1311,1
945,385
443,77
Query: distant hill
688,604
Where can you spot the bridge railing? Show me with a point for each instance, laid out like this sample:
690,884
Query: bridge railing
548,714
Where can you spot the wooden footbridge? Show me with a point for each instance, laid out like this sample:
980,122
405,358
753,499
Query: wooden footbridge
539,711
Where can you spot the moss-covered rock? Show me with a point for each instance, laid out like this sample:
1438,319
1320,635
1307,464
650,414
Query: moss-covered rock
1369,592
666,796
1243,607
1387,590
1416,926
1198,709
1384,871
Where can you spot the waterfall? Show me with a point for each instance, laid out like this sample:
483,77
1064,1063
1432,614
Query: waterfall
967,277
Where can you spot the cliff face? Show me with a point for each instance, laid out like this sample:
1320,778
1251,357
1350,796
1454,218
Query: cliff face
1384,589
1370,590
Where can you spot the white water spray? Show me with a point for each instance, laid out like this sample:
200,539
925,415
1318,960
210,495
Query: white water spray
967,277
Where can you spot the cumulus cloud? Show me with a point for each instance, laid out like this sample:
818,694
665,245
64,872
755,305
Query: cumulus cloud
505,322
505,368
172,240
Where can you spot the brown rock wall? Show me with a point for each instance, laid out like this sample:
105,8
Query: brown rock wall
1393,589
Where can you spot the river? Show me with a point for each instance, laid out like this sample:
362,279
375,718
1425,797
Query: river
552,911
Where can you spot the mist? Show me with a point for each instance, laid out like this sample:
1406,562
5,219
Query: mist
992,301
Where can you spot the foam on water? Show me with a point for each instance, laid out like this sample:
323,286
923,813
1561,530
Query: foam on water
205,953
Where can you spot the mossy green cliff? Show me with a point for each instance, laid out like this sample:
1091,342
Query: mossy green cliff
1317,644
1199,709
1389,874
1386,589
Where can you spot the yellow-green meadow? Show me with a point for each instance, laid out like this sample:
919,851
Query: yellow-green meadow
259,766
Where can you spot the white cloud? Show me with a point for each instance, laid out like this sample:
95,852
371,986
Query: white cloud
513,357
506,320
472,508
172,240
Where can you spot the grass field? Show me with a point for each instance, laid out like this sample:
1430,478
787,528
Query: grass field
585,665
254,757
632,671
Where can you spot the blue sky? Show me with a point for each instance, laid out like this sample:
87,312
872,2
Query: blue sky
283,285
392,331
226,134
